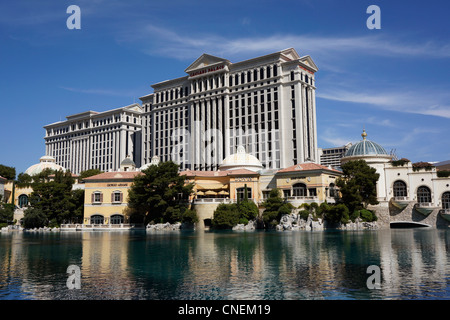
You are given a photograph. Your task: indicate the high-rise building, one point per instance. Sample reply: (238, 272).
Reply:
(266, 104)
(332, 156)
(96, 140)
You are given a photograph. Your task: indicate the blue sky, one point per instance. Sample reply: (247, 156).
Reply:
(394, 82)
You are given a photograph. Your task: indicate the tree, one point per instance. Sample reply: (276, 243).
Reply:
(159, 194)
(7, 172)
(275, 207)
(226, 216)
(358, 185)
(53, 197)
(34, 218)
(338, 213)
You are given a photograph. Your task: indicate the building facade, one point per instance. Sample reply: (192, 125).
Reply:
(332, 156)
(266, 104)
(96, 140)
(406, 192)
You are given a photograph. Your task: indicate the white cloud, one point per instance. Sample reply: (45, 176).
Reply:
(426, 102)
(187, 46)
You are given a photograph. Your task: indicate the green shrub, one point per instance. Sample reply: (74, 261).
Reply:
(338, 213)
(243, 221)
(189, 216)
(304, 214)
(443, 173)
(368, 216)
(226, 216)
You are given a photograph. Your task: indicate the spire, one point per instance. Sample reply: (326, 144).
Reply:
(364, 134)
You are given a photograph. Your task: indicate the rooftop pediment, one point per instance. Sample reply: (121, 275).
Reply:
(205, 60)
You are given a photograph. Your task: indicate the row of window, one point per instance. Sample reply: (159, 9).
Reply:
(423, 194)
(97, 197)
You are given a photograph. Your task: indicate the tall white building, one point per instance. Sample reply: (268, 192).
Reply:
(96, 140)
(266, 104)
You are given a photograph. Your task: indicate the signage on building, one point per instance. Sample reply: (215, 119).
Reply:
(208, 70)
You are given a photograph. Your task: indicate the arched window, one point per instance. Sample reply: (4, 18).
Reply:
(400, 189)
(116, 219)
(299, 190)
(23, 200)
(97, 219)
(446, 201)
(423, 195)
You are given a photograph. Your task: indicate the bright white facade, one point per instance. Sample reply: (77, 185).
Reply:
(96, 140)
(402, 185)
(266, 104)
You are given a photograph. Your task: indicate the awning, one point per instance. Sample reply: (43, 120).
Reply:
(210, 193)
(224, 192)
(200, 193)
(212, 186)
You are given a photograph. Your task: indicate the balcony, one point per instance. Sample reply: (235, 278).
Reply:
(400, 202)
(445, 213)
(424, 208)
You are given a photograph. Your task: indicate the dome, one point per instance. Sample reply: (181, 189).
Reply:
(127, 164)
(45, 162)
(365, 147)
(241, 159)
(155, 161)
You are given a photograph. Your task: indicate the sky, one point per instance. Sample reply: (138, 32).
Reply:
(394, 81)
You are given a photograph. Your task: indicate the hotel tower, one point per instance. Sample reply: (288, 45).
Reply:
(265, 104)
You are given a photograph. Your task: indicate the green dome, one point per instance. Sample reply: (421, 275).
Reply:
(365, 147)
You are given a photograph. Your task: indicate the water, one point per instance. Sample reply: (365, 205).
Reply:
(124, 265)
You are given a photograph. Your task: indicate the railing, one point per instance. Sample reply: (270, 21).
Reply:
(301, 198)
(425, 204)
(216, 200)
(102, 226)
(400, 198)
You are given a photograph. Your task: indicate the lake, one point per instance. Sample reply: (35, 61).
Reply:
(219, 265)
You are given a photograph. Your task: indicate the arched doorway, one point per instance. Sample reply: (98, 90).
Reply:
(23, 201)
(116, 219)
(445, 200)
(423, 195)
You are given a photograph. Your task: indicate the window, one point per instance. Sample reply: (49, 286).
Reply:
(446, 201)
(286, 193)
(423, 195)
(400, 189)
(97, 219)
(240, 193)
(299, 190)
(333, 190)
(97, 197)
(23, 200)
(117, 196)
(116, 219)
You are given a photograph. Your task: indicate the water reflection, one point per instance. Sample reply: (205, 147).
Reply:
(226, 265)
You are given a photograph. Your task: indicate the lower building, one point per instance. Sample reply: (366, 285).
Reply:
(105, 198)
(407, 192)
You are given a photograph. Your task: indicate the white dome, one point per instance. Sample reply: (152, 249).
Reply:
(241, 160)
(155, 161)
(44, 163)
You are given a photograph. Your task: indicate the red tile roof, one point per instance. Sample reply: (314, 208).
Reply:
(1, 178)
(307, 167)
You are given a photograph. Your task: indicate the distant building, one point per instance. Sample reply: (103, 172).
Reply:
(332, 156)
(96, 140)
